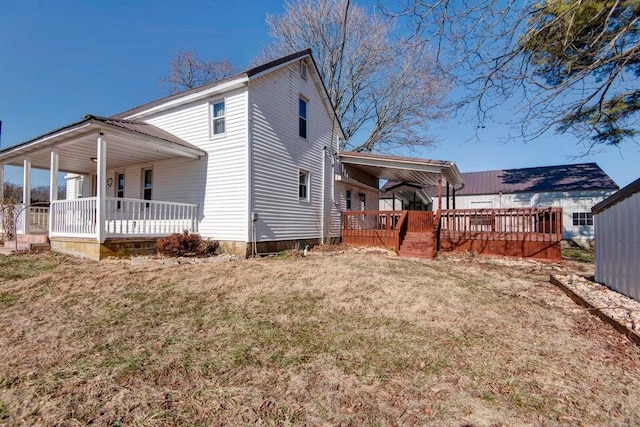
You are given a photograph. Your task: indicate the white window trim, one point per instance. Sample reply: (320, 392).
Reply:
(211, 118)
(306, 118)
(307, 183)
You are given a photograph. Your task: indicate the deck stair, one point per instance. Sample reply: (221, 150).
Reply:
(418, 244)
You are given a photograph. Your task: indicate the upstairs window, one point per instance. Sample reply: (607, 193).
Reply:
(218, 115)
(582, 218)
(303, 70)
(302, 118)
(303, 185)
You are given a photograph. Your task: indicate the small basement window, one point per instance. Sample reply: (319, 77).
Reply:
(582, 218)
(303, 185)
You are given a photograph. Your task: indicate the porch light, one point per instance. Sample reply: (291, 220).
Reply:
(93, 159)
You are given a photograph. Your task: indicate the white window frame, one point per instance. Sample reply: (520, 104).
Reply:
(212, 118)
(304, 68)
(305, 118)
(582, 218)
(307, 185)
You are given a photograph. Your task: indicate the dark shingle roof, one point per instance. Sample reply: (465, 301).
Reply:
(583, 176)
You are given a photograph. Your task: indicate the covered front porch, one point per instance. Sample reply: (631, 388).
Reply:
(96, 152)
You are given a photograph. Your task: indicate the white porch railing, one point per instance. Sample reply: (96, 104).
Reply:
(135, 217)
(74, 218)
(123, 218)
(38, 218)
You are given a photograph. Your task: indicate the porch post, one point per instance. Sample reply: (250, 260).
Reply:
(101, 188)
(447, 194)
(454, 197)
(2, 182)
(26, 193)
(440, 192)
(53, 186)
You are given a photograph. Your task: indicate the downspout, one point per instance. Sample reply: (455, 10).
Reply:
(324, 205)
(250, 213)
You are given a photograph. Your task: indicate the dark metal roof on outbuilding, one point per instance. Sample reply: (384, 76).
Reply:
(583, 176)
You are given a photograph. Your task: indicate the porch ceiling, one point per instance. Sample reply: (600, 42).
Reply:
(77, 144)
(406, 169)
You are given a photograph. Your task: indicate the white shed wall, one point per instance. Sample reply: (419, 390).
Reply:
(618, 246)
(278, 153)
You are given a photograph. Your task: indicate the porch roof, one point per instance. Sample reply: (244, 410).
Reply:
(406, 169)
(128, 142)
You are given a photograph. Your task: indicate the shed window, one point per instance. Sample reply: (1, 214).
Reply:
(218, 115)
(302, 118)
(303, 185)
(582, 218)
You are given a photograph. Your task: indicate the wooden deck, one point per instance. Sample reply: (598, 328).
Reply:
(531, 233)
(523, 233)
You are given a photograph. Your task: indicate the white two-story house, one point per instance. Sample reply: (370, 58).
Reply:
(251, 161)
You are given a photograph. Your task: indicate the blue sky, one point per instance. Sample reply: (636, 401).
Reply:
(62, 60)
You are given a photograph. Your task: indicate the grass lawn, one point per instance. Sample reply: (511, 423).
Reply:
(353, 338)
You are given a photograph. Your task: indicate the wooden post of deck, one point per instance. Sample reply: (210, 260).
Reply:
(440, 192)
(447, 194)
(454, 197)
(101, 189)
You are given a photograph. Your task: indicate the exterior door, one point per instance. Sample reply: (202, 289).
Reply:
(119, 188)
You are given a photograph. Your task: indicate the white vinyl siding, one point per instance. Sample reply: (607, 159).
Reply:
(278, 153)
(218, 182)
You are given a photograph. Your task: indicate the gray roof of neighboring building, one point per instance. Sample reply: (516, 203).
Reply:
(582, 176)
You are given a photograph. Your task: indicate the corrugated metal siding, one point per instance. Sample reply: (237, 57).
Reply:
(278, 153)
(618, 246)
(218, 182)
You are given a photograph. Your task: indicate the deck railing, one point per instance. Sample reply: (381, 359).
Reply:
(522, 224)
(373, 228)
(123, 218)
(528, 232)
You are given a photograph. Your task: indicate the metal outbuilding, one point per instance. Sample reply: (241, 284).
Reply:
(617, 230)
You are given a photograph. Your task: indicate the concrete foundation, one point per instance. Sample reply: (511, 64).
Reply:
(90, 248)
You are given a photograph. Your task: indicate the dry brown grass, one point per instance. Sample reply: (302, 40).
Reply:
(336, 339)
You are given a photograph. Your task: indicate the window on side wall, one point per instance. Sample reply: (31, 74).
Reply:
(303, 185)
(302, 117)
(303, 70)
(347, 199)
(218, 118)
(582, 218)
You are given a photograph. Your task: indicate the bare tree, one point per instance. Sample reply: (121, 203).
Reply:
(568, 65)
(187, 71)
(384, 88)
